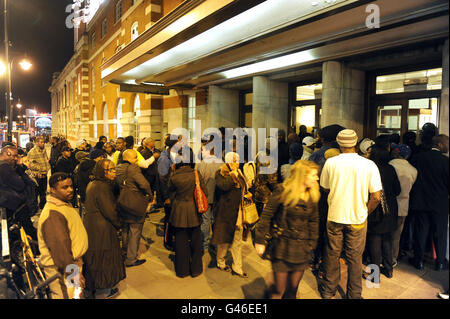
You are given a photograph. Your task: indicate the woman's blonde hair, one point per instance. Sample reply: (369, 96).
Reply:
(294, 186)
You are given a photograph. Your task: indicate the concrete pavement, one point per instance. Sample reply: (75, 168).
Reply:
(156, 278)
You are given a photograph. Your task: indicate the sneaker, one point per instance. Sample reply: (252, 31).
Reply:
(112, 293)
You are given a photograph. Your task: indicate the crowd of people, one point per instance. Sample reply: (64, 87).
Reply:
(332, 196)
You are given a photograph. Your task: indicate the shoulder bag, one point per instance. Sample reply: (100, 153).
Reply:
(201, 201)
(131, 201)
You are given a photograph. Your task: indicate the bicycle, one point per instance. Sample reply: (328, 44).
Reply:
(24, 273)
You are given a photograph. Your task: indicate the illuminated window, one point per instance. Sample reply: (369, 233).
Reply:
(191, 115)
(423, 80)
(118, 118)
(137, 114)
(94, 120)
(309, 92)
(105, 120)
(134, 31)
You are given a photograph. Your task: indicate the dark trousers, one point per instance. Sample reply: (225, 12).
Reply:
(320, 250)
(42, 191)
(380, 248)
(351, 239)
(407, 237)
(436, 222)
(188, 251)
(168, 229)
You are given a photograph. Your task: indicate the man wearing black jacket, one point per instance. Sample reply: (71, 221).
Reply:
(151, 172)
(430, 202)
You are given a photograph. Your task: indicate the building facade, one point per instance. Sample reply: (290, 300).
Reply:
(146, 67)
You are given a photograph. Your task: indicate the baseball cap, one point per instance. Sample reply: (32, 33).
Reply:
(308, 141)
(402, 149)
(365, 144)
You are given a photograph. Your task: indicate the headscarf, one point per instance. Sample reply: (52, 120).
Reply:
(99, 170)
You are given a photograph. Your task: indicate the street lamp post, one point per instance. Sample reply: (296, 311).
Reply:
(8, 73)
(25, 65)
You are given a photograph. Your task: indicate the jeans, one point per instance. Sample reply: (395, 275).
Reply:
(351, 239)
(207, 222)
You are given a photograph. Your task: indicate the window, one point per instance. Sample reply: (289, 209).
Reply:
(104, 29)
(94, 120)
(191, 115)
(134, 31)
(423, 80)
(93, 41)
(93, 79)
(119, 117)
(79, 83)
(105, 120)
(118, 10)
(137, 114)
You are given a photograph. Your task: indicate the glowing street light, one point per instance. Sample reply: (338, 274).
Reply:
(2, 68)
(25, 64)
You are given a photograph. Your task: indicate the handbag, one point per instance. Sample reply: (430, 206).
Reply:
(131, 201)
(249, 211)
(276, 230)
(201, 201)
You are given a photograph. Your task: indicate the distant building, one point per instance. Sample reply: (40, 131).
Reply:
(145, 67)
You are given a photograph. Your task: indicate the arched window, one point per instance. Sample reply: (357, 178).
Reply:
(105, 120)
(134, 31)
(94, 119)
(118, 117)
(137, 114)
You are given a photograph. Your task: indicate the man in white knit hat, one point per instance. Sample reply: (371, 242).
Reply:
(349, 178)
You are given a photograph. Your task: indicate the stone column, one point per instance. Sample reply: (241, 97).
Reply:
(443, 109)
(270, 104)
(223, 108)
(343, 97)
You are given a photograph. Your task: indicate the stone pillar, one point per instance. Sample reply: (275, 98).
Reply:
(343, 97)
(223, 108)
(128, 125)
(270, 104)
(443, 109)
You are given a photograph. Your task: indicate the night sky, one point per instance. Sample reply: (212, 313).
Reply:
(37, 29)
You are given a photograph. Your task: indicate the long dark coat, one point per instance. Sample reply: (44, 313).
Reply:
(104, 266)
(300, 236)
(226, 209)
(377, 222)
(184, 212)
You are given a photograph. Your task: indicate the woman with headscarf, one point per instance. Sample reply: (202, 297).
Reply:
(293, 206)
(229, 228)
(104, 266)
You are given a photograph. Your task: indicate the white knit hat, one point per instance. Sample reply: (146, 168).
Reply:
(347, 138)
(232, 157)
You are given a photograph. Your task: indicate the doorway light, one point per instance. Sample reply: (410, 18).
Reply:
(271, 64)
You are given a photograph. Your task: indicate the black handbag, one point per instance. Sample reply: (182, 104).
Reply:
(276, 230)
(131, 201)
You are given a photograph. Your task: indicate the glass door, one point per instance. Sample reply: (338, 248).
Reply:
(389, 119)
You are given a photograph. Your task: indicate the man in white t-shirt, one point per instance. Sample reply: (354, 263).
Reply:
(349, 179)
